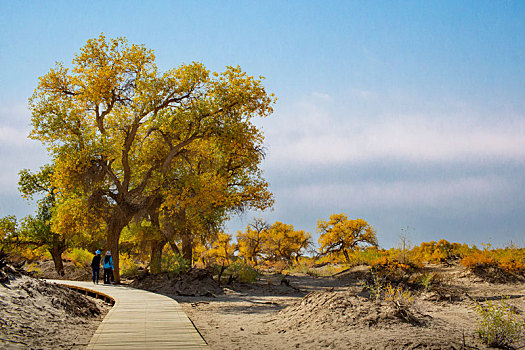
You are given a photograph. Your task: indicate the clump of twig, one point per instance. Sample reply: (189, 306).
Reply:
(500, 324)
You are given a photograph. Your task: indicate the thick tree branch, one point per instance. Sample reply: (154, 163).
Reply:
(128, 142)
(112, 176)
(174, 151)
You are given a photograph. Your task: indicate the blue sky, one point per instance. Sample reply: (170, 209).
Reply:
(408, 113)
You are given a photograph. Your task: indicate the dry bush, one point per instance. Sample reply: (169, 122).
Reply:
(401, 300)
(394, 271)
(500, 325)
(403, 303)
(497, 265)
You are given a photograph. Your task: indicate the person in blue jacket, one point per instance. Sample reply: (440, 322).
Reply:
(108, 268)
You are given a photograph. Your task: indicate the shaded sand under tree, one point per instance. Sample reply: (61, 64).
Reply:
(35, 314)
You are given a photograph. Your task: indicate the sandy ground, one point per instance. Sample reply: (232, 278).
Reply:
(35, 314)
(299, 312)
(337, 313)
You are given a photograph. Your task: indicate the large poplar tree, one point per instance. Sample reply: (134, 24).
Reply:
(118, 128)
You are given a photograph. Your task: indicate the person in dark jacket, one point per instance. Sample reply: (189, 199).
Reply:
(95, 266)
(108, 268)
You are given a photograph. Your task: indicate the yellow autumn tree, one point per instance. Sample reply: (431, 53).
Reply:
(222, 250)
(283, 243)
(250, 242)
(215, 179)
(340, 234)
(118, 128)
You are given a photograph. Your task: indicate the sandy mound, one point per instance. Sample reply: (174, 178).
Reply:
(494, 274)
(195, 282)
(46, 269)
(39, 315)
(344, 319)
(343, 309)
(337, 313)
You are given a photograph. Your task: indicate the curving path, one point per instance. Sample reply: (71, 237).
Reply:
(140, 320)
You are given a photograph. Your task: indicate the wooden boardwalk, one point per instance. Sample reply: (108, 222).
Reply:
(141, 320)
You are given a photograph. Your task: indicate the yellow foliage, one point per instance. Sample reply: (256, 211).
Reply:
(339, 234)
(128, 265)
(80, 257)
(122, 133)
(509, 259)
(283, 242)
(222, 250)
(250, 242)
(436, 252)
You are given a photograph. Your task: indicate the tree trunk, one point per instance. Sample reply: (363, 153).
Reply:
(187, 249)
(116, 223)
(347, 257)
(157, 244)
(174, 247)
(57, 248)
(155, 264)
(168, 231)
(221, 271)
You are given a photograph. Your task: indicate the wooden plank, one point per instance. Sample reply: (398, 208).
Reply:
(140, 320)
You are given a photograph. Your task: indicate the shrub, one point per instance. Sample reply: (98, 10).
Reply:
(175, 263)
(302, 266)
(428, 280)
(500, 325)
(33, 268)
(276, 266)
(366, 256)
(80, 257)
(242, 272)
(128, 267)
(375, 287)
(478, 258)
(308, 267)
(401, 300)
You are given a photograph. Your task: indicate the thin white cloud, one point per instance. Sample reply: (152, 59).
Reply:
(362, 93)
(312, 136)
(465, 193)
(14, 114)
(15, 137)
(322, 96)
(17, 151)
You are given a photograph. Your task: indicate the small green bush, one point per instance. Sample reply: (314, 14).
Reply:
(375, 287)
(500, 325)
(175, 263)
(402, 301)
(429, 280)
(242, 272)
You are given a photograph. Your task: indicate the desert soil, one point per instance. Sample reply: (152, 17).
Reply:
(35, 314)
(337, 313)
(299, 312)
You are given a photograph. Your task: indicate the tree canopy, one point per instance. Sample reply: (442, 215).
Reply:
(122, 134)
(283, 242)
(340, 234)
(250, 242)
